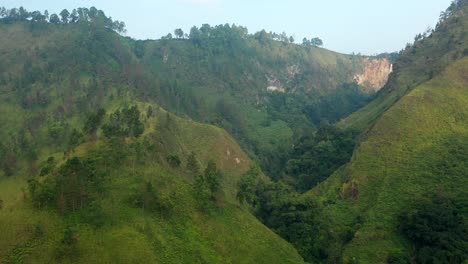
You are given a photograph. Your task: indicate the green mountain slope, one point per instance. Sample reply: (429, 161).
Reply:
(418, 63)
(112, 228)
(91, 173)
(415, 149)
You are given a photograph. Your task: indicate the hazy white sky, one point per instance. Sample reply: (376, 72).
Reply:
(366, 26)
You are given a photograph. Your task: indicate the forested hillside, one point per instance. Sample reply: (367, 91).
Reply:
(92, 173)
(214, 145)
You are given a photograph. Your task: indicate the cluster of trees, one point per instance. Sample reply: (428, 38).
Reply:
(264, 37)
(346, 99)
(317, 156)
(152, 200)
(124, 123)
(219, 33)
(79, 15)
(94, 121)
(289, 214)
(207, 31)
(16, 148)
(314, 42)
(438, 228)
(454, 6)
(74, 186)
(207, 185)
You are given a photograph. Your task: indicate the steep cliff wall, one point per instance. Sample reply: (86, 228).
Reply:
(375, 73)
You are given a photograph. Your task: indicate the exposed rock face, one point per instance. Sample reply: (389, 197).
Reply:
(274, 85)
(375, 73)
(275, 89)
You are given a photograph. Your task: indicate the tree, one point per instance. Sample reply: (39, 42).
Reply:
(207, 185)
(145, 197)
(291, 39)
(3, 12)
(305, 42)
(36, 16)
(149, 112)
(262, 37)
(74, 140)
(248, 186)
(65, 14)
(168, 36)
(118, 26)
(93, 13)
(213, 178)
(284, 37)
(195, 35)
(173, 160)
(83, 14)
(192, 164)
(179, 33)
(23, 14)
(124, 123)
(93, 122)
(74, 16)
(316, 42)
(54, 19)
(205, 30)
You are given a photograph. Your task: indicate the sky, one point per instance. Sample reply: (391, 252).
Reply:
(361, 26)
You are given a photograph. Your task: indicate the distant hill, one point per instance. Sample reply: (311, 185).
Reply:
(265, 92)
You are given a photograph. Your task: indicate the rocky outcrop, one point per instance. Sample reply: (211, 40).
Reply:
(375, 73)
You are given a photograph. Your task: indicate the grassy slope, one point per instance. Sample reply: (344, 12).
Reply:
(417, 148)
(417, 64)
(225, 235)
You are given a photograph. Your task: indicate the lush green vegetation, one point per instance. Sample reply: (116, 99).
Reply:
(438, 228)
(125, 122)
(318, 155)
(431, 52)
(416, 149)
(80, 15)
(121, 196)
(92, 168)
(91, 172)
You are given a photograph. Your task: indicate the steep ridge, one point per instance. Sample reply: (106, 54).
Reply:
(418, 63)
(375, 74)
(415, 149)
(115, 228)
